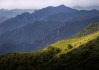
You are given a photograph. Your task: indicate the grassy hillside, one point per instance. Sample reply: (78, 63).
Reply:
(87, 34)
(80, 52)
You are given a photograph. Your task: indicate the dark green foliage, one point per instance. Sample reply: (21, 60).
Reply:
(86, 57)
(70, 46)
(20, 61)
(82, 58)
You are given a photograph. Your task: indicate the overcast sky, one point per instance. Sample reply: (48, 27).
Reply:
(35, 4)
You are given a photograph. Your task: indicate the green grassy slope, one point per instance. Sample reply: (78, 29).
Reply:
(89, 33)
(80, 52)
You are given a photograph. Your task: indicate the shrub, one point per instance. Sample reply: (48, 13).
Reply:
(70, 46)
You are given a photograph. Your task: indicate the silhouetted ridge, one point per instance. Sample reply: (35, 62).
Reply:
(43, 27)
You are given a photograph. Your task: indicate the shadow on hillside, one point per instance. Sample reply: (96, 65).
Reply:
(86, 57)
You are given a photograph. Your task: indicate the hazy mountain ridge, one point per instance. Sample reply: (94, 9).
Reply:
(36, 27)
(2, 19)
(14, 12)
(21, 20)
(83, 14)
(6, 14)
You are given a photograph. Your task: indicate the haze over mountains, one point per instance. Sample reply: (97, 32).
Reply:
(6, 14)
(32, 31)
(86, 8)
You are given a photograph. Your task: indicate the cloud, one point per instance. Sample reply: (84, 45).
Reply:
(10, 4)
(85, 3)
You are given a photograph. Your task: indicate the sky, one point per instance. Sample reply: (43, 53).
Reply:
(37, 4)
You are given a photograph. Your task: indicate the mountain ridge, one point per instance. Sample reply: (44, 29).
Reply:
(38, 15)
(32, 30)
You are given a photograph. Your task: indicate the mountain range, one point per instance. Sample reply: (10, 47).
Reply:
(32, 31)
(7, 14)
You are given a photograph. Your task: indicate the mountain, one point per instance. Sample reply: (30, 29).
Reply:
(76, 53)
(28, 32)
(6, 14)
(74, 16)
(12, 13)
(45, 12)
(2, 19)
(15, 22)
(27, 21)
(26, 36)
(27, 18)
(68, 30)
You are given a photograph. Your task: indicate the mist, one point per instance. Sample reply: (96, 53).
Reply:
(37, 4)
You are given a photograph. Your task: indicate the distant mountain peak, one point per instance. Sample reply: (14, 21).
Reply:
(62, 5)
(94, 10)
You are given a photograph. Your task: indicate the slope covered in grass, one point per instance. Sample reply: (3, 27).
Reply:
(75, 42)
(76, 53)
